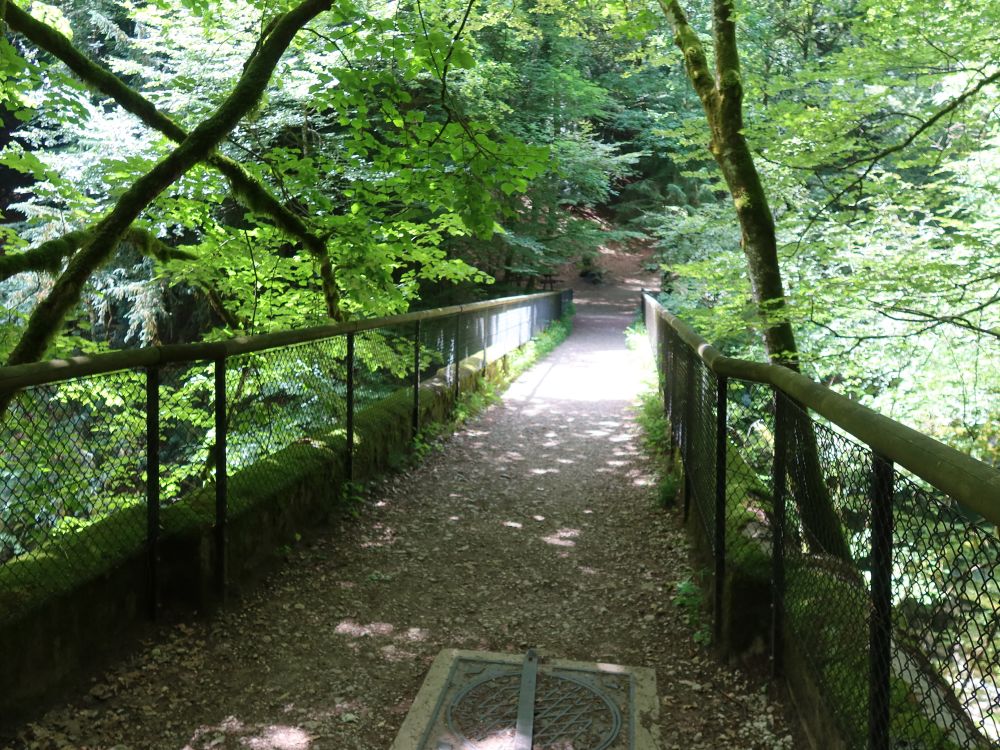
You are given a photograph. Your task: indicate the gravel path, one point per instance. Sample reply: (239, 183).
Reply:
(535, 525)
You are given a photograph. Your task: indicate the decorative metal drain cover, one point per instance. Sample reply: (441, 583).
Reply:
(486, 701)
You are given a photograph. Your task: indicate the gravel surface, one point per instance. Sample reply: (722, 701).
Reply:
(534, 526)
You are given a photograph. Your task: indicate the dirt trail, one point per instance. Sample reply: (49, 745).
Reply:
(534, 526)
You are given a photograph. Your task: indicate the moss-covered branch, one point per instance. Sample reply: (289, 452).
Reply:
(50, 255)
(251, 192)
(47, 318)
(695, 60)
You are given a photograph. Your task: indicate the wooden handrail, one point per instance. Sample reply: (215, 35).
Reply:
(55, 370)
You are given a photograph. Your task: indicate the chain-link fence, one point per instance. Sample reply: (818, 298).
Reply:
(880, 588)
(77, 451)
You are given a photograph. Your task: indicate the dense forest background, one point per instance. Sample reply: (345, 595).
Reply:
(420, 153)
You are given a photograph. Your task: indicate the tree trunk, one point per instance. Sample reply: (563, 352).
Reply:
(721, 96)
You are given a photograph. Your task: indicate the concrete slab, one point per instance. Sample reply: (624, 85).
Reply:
(468, 701)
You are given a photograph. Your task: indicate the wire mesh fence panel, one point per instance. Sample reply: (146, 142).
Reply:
(72, 485)
(187, 429)
(946, 622)
(467, 332)
(702, 454)
(384, 363)
(514, 327)
(749, 463)
(436, 342)
(827, 598)
(277, 398)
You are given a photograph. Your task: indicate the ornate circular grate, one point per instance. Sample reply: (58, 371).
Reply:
(568, 714)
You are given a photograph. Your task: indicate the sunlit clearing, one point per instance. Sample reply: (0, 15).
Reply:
(350, 627)
(280, 738)
(512, 524)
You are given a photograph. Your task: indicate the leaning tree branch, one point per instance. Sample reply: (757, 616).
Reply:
(250, 191)
(960, 319)
(48, 256)
(48, 316)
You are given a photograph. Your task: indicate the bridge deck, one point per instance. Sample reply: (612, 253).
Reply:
(534, 527)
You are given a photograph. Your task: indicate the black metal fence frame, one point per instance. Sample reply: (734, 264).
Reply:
(695, 382)
(490, 339)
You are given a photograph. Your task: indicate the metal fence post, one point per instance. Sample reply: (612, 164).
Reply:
(221, 477)
(416, 380)
(685, 429)
(350, 408)
(880, 631)
(721, 437)
(778, 472)
(458, 334)
(153, 487)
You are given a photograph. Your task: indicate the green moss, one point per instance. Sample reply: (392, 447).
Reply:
(71, 558)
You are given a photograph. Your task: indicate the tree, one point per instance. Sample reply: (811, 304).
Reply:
(721, 96)
(357, 154)
(102, 239)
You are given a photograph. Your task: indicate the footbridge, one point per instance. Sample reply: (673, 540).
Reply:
(852, 562)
